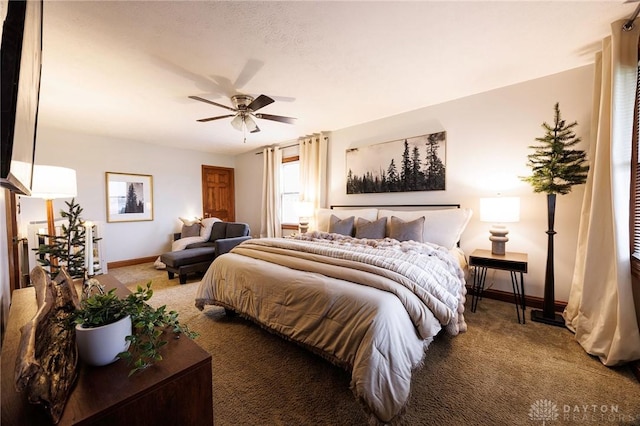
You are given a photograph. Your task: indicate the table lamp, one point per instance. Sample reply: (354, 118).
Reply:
(499, 210)
(305, 212)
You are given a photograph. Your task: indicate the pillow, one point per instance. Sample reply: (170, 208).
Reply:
(207, 224)
(189, 222)
(190, 227)
(371, 229)
(190, 230)
(406, 231)
(341, 226)
(323, 216)
(443, 227)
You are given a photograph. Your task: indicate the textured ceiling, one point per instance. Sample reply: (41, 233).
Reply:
(125, 69)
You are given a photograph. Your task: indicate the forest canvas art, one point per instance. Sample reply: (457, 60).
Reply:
(411, 164)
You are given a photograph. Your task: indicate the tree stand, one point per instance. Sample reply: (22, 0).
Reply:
(548, 314)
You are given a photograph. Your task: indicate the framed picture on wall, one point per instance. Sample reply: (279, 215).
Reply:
(129, 197)
(403, 165)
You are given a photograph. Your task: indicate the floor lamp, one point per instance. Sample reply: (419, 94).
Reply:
(49, 183)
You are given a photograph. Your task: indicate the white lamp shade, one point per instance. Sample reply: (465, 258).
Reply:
(500, 209)
(304, 209)
(51, 182)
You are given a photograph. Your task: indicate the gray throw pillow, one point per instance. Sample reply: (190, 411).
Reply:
(190, 230)
(405, 231)
(373, 230)
(341, 226)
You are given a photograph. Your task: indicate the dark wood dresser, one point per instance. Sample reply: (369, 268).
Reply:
(175, 391)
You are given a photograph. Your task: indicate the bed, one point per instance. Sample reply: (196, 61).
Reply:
(369, 305)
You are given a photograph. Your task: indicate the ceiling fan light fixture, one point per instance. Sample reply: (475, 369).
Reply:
(237, 122)
(252, 127)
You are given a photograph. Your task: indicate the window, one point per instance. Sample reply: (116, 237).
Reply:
(290, 191)
(635, 190)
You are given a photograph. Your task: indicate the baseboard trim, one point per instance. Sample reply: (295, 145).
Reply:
(506, 296)
(130, 262)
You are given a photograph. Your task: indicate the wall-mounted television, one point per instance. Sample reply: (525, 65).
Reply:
(21, 58)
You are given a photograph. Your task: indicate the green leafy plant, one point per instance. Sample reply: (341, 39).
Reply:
(149, 324)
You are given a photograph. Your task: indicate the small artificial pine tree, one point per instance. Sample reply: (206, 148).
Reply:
(556, 168)
(68, 248)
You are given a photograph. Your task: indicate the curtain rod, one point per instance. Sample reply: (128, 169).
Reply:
(628, 26)
(281, 147)
(288, 146)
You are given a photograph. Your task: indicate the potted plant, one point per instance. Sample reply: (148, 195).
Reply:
(556, 167)
(109, 327)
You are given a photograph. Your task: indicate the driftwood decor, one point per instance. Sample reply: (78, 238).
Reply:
(46, 366)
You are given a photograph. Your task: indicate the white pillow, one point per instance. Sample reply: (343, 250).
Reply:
(323, 216)
(442, 227)
(207, 224)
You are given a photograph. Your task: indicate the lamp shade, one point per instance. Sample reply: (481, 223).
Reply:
(51, 182)
(304, 209)
(500, 209)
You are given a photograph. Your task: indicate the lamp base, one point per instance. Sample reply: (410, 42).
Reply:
(303, 227)
(498, 239)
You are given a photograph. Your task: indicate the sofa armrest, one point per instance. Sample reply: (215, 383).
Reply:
(224, 245)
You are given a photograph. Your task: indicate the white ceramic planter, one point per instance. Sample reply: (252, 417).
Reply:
(101, 345)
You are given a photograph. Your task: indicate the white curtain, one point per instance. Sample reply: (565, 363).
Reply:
(270, 222)
(313, 170)
(600, 309)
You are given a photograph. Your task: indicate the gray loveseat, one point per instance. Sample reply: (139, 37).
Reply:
(197, 257)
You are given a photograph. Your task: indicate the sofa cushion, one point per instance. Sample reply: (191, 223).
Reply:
(175, 259)
(235, 229)
(218, 230)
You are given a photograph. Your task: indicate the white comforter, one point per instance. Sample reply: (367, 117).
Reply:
(324, 291)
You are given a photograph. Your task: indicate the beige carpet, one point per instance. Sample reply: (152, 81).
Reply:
(497, 373)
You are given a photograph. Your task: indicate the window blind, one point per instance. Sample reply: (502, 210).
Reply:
(635, 184)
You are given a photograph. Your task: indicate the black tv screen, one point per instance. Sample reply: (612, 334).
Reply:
(21, 57)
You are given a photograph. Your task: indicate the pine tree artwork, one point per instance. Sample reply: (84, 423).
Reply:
(555, 165)
(68, 247)
(412, 164)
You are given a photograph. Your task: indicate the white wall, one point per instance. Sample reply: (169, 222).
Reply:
(488, 135)
(176, 187)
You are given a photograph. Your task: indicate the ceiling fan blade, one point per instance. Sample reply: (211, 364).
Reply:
(280, 118)
(198, 98)
(203, 120)
(260, 102)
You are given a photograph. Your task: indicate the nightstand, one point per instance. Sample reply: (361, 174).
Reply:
(515, 263)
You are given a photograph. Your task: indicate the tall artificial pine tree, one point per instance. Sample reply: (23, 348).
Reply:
(556, 169)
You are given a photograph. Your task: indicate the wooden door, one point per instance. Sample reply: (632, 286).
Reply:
(218, 193)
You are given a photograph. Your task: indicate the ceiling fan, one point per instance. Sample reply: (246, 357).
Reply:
(244, 108)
